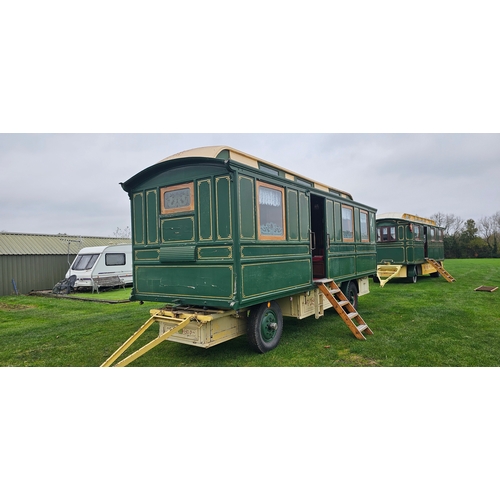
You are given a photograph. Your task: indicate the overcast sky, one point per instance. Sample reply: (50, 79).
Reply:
(69, 183)
(260, 73)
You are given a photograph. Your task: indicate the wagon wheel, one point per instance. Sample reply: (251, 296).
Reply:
(265, 325)
(352, 294)
(412, 275)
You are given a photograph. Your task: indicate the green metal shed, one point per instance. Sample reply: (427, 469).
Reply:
(39, 261)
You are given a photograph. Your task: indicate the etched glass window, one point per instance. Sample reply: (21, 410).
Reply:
(271, 212)
(347, 224)
(177, 199)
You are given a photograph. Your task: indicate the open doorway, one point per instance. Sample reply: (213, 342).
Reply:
(318, 239)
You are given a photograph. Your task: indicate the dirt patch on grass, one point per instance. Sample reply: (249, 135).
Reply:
(354, 359)
(14, 307)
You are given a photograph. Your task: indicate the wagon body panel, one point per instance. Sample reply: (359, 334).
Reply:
(232, 231)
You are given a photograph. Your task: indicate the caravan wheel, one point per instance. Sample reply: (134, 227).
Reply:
(265, 325)
(412, 274)
(352, 294)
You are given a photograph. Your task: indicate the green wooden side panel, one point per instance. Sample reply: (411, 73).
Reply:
(205, 231)
(186, 253)
(293, 214)
(410, 254)
(177, 229)
(223, 197)
(366, 263)
(391, 253)
(329, 220)
(196, 281)
(221, 252)
(152, 216)
(266, 251)
(147, 254)
(247, 208)
(436, 251)
(304, 216)
(267, 277)
(338, 221)
(341, 266)
(138, 218)
(419, 252)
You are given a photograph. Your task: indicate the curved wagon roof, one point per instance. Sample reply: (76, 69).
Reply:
(229, 153)
(404, 216)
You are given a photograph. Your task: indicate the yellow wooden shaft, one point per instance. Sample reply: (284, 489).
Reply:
(153, 343)
(129, 342)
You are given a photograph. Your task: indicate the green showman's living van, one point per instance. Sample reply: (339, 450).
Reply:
(233, 240)
(408, 246)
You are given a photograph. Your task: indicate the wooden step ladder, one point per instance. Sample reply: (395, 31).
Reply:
(343, 307)
(440, 269)
(385, 272)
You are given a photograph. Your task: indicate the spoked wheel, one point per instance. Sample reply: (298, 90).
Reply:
(412, 275)
(265, 325)
(352, 294)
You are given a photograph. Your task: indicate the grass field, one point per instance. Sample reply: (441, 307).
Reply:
(432, 323)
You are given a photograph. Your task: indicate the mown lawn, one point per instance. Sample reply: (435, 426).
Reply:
(432, 323)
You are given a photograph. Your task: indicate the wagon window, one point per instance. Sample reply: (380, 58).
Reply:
(85, 261)
(177, 198)
(417, 232)
(271, 212)
(363, 220)
(115, 259)
(432, 234)
(347, 224)
(386, 233)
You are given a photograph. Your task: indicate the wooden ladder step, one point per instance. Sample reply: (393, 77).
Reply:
(338, 300)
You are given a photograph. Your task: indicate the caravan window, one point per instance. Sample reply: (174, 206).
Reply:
(271, 212)
(115, 259)
(85, 261)
(386, 233)
(347, 223)
(178, 198)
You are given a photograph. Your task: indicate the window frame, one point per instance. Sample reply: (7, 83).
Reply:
(367, 239)
(115, 253)
(351, 210)
(177, 187)
(270, 237)
(389, 239)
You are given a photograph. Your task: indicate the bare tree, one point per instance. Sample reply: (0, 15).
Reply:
(489, 229)
(452, 224)
(122, 233)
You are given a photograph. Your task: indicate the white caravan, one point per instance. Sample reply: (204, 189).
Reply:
(101, 262)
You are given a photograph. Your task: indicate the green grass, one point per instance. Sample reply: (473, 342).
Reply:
(430, 323)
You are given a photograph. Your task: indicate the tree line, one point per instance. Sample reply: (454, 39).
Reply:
(465, 239)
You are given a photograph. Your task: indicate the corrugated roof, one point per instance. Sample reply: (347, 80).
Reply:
(51, 244)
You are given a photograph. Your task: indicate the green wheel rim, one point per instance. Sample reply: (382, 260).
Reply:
(268, 325)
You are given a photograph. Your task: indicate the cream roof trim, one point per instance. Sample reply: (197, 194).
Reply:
(252, 161)
(401, 215)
